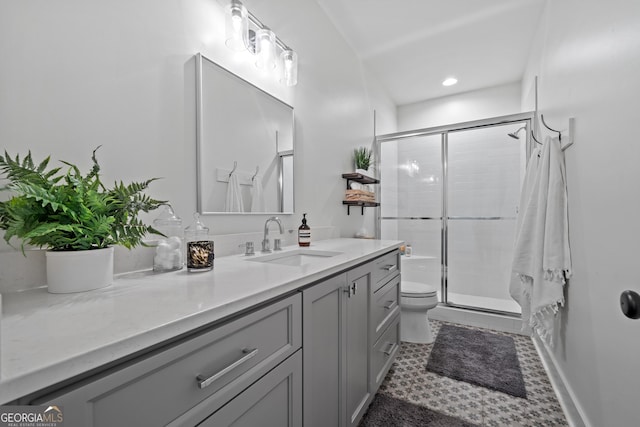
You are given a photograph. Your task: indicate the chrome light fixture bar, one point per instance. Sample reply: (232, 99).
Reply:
(260, 41)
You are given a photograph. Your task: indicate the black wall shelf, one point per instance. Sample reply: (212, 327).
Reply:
(362, 179)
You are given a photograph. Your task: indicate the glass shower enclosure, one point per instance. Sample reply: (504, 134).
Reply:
(452, 193)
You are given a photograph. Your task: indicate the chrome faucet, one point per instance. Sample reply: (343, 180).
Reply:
(266, 247)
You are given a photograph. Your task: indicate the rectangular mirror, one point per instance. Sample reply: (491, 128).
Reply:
(244, 145)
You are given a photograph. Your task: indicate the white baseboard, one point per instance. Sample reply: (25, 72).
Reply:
(572, 410)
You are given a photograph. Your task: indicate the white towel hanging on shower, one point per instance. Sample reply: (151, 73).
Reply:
(233, 202)
(542, 258)
(257, 195)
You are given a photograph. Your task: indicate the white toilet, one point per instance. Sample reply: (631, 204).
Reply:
(416, 299)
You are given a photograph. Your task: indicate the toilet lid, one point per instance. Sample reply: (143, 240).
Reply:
(415, 289)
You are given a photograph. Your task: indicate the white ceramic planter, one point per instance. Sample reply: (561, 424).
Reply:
(364, 172)
(79, 271)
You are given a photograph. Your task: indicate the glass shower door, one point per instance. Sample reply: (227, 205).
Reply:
(484, 171)
(411, 188)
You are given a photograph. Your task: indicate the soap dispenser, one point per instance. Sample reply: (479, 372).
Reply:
(304, 232)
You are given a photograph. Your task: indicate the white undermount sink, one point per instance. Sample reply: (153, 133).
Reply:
(296, 257)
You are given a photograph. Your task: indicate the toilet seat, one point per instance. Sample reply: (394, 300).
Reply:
(416, 290)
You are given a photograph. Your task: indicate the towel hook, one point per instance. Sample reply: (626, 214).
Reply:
(255, 174)
(235, 165)
(552, 130)
(571, 132)
(534, 138)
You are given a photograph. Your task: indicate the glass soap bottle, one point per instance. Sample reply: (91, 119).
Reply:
(199, 246)
(169, 250)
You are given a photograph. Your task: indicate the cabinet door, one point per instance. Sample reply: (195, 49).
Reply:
(274, 400)
(323, 323)
(358, 346)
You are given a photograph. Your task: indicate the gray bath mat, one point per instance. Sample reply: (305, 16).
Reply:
(477, 357)
(387, 411)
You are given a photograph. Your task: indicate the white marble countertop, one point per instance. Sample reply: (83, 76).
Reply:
(48, 338)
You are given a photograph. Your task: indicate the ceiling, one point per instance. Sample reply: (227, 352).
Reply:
(411, 46)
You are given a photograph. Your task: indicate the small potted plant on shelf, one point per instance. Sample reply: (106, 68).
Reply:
(362, 160)
(75, 217)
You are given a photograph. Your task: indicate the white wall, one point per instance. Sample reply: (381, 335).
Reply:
(463, 107)
(120, 74)
(587, 57)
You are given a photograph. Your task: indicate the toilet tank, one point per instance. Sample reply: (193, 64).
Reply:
(420, 269)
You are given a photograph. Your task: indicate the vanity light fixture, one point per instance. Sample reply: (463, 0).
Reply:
(449, 81)
(289, 67)
(265, 49)
(236, 26)
(245, 32)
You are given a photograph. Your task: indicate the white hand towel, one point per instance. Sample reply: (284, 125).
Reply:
(257, 195)
(542, 258)
(233, 202)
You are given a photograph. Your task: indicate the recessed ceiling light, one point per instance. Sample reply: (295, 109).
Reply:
(450, 81)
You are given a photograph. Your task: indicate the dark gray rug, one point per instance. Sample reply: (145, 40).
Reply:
(387, 411)
(477, 357)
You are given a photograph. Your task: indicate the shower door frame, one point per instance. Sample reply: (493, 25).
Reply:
(443, 131)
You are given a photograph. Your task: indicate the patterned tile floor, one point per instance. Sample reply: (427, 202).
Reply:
(409, 380)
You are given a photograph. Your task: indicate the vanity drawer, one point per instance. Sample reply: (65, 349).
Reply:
(206, 371)
(274, 400)
(386, 305)
(384, 353)
(385, 268)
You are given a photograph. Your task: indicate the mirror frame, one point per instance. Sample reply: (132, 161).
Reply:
(281, 154)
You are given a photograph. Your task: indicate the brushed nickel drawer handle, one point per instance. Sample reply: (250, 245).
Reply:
(390, 267)
(391, 349)
(204, 382)
(390, 305)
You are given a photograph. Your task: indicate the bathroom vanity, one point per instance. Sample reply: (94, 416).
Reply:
(264, 340)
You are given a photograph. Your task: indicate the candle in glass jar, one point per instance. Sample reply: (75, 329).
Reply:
(200, 253)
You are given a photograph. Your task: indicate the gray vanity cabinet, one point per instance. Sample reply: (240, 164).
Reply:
(313, 358)
(336, 315)
(243, 369)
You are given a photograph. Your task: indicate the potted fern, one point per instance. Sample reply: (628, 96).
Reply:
(75, 217)
(362, 160)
